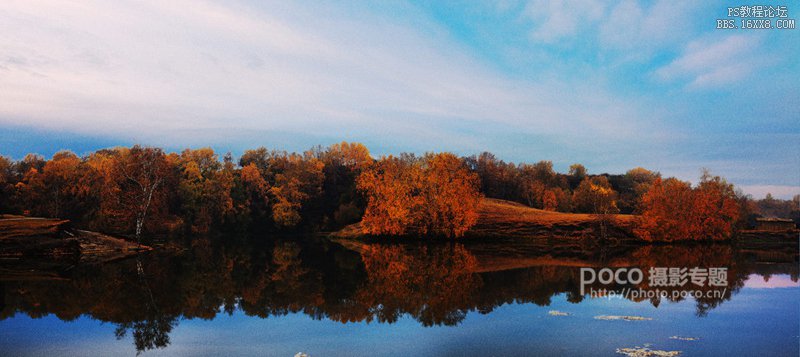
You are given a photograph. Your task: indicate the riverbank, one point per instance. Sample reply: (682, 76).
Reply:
(505, 219)
(41, 247)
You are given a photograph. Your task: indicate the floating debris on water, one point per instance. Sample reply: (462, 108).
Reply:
(558, 313)
(646, 352)
(626, 318)
(684, 338)
(301, 354)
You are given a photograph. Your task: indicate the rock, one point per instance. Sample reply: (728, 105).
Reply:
(23, 236)
(20, 227)
(43, 248)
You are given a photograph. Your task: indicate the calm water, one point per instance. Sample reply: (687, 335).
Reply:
(322, 298)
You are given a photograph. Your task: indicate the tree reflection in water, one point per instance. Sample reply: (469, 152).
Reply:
(436, 284)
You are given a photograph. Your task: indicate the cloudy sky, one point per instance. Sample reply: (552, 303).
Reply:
(612, 85)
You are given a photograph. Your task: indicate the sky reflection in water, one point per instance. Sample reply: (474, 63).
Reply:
(446, 299)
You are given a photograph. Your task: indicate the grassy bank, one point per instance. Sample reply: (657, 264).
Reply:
(499, 218)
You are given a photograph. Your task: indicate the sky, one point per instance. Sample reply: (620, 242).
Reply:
(609, 84)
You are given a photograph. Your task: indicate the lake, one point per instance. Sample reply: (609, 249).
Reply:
(279, 297)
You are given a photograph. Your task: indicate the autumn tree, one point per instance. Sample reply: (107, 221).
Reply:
(578, 171)
(143, 171)
(292, 179)
(673, 210)
(103, 178)
(49, 188)
(25, 196)
(716, 208)
(204, 188)
(595, 195)
(498, 179)
(392, 187)
(632, 186)
(533, 191)
(343, 163)
(539, 184)
(451, 195)
(6, 184)
(59, 182)
(666, 211)
(549, 201)
(436, 194)
(30, 161)
(299, 180)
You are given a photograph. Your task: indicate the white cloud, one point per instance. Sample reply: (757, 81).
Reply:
(556, 20)
(631, 25)
(183, 72)
(154, 69)
(711, 62)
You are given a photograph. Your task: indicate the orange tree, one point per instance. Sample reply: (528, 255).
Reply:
(673, 210)
(436, 194)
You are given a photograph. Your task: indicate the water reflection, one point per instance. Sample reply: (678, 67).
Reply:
(436, 284)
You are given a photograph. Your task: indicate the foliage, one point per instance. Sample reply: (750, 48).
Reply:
(392, 187)
(204, 188)
(673, 210)
(595, 195)
(433, 195)
(141, 189)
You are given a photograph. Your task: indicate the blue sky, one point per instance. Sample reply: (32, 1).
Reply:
(612, 85)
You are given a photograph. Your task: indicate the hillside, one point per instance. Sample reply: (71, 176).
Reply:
(499, 218)
(511, 219)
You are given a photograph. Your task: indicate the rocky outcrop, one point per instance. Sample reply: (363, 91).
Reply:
(32, 237)
(40, 246)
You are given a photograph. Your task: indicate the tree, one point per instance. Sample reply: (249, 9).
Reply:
(254, 180)
(350, 156)
(6, 181)
(392, 188)
(341, 201)
(632, 186)
(143, 171)
(543, 172)
(60, 183)
(204, 188)
(666, 211)
(673, 210)
(550, 201)
(434, 195)
(291, 180)
(451, 195)
(578, 171)
(595, 195)
(716, 208)
(498, 179)
(300, 180)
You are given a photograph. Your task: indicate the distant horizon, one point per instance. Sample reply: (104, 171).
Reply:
(610, 85)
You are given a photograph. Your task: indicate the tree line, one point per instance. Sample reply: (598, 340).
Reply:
(142, 189)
